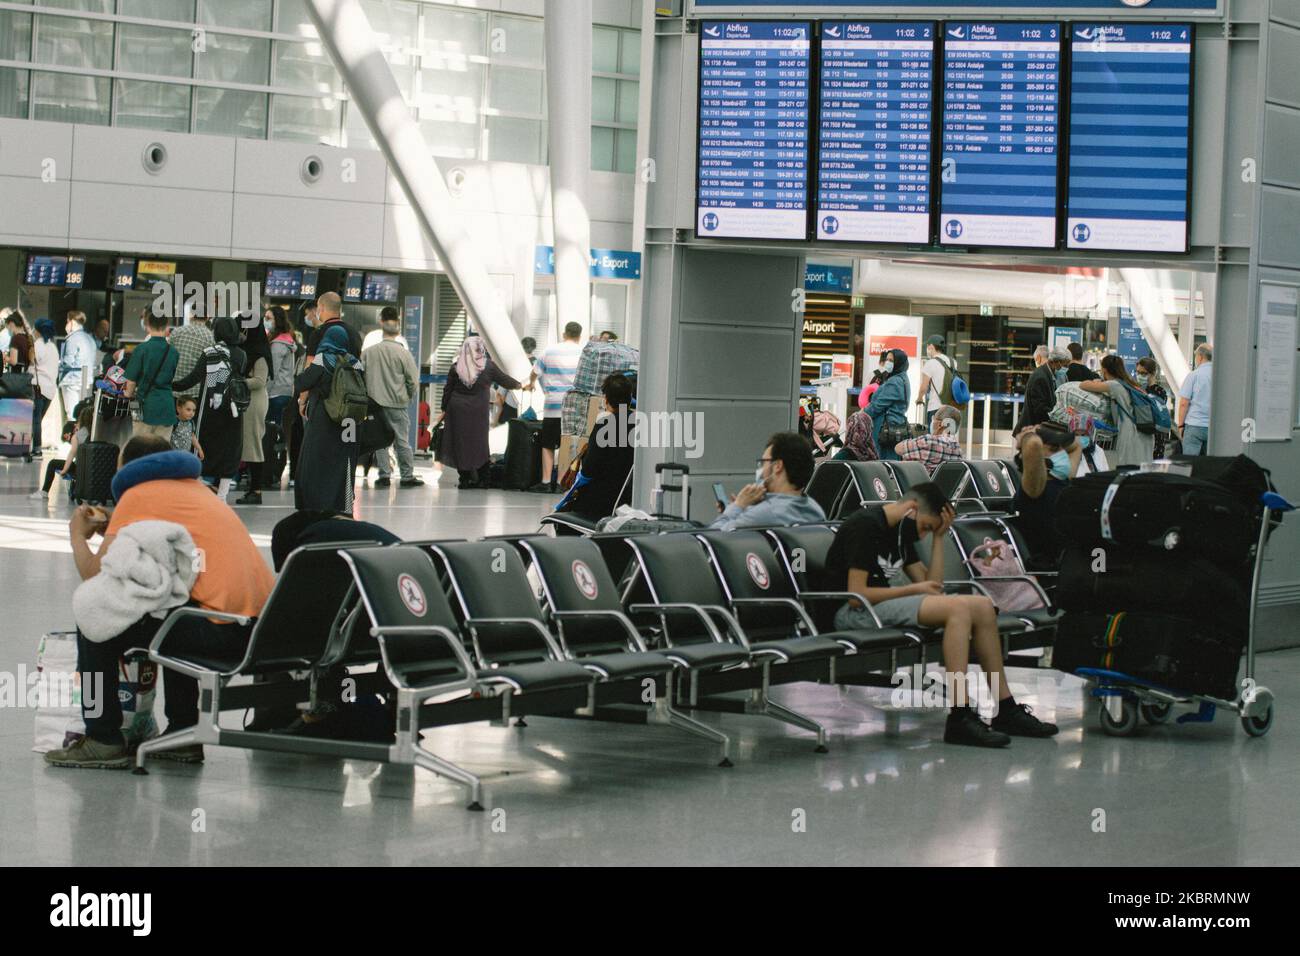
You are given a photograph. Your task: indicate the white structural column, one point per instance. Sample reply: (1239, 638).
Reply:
(346, 33)
(1147, 302)
(568, 107)
(646, 171)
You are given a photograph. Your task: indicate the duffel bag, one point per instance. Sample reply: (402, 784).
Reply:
(1162, 510)
(1237, 473)
(1117, 579)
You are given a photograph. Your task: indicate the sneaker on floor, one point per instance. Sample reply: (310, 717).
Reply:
(965, 727)
(37, 495)
(383, 482)
(191, 754)
(543, 488)
(1019, 721)
(90, 754)
(415, 481)
(252, 498)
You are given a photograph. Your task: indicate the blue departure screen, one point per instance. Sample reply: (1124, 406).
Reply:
(75, 277)
(1130, 106)
(310, 278)
(754, 106)
(283, 283)
(873, 170)
(1001, 102)
(379, 287)
(124, 274)
(352, 285)
(45, 270)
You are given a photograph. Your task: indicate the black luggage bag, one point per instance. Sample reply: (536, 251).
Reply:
(1183, 654)
(523, 461)
(96, 465)
(1237, 473)
(1161, 510)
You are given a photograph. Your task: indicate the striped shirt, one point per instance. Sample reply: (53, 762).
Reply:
(930, 450)
(555, 371)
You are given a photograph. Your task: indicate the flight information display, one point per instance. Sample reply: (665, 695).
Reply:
(75, 277)
(754, 117)
(379, 287)
(283, 283)
(310, 279)
(873, 132)
(1130, 125)
(124, 274)
(1001, 106)
(352, 283)
(45, 270)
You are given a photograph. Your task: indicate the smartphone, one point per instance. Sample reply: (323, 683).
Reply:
(720, 493)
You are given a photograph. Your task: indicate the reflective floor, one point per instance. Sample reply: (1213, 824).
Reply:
(568, 792)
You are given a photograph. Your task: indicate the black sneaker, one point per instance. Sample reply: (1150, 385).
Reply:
(252, 498)
(965, 727)
(383, 482)
(1019, 721)
(415, 481)
(543, 488)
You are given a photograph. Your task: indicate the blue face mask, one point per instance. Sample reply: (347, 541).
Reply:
(1058, 465)
(888, 367)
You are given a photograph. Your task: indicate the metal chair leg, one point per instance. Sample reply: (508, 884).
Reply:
(760, 703)
(180, 738)
(444, 768)
(664, 713)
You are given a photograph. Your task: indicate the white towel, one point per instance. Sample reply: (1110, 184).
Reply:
(149, 569)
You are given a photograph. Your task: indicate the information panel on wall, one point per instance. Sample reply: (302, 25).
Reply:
(873, 129)
(1001, 104)
(1130, 125)
(755, 80)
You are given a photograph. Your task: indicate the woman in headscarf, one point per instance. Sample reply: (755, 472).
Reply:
(465, 404)
(327, 464)
(258, 349)
(888, 408)
(859, 439)
(220, 431)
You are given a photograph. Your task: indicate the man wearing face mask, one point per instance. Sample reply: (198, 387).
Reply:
(1040, 390)
(1049, 455)
(776, 498)
(936, 378)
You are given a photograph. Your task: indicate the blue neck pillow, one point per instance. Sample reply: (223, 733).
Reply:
(157, 467)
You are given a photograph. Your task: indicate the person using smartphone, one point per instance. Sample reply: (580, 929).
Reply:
(776, 497)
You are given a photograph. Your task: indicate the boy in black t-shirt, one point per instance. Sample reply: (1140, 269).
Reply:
(878, 544)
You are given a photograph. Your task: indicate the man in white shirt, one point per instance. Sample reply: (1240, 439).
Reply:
(555, 369)
(936, 374)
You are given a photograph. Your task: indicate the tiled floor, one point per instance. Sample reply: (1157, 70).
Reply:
(563, 792)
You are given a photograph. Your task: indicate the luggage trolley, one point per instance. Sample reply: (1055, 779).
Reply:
(1125, 699)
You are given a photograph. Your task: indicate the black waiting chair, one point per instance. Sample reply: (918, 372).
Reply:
(954, 480)
(829, 479)
(872, 483)
(993, 484)
(566, 523)
(908, 474)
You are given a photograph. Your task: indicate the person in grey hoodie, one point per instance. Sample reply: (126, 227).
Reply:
(776, 498)
(392, 380)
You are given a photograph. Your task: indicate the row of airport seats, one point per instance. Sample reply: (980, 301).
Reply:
(842, 487)
(644, 628)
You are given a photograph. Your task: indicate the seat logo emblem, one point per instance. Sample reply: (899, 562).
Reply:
(757, 570)
(585, 580)
(880, 488)
(993, 481)
(412, 595)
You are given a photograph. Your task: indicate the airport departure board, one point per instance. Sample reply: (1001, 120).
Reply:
(1001, 104)
(753, 163)
(1130, 126)
(283, 283)
(380, 287)
(352, 284)
(874, 135)
(45, 270)
(310, 279)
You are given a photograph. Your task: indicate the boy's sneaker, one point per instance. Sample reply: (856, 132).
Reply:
(415, 481)
(1019, 721)
(965, 727)
(90, 754)
(190, 754)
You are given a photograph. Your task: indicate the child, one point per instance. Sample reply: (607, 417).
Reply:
(67, 466)
(183, 436)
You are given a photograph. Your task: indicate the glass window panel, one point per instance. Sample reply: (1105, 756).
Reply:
(394, 22)
(147, 105)
(244, 14)
(230, 113)
(604, 50)
(69, 98)
(153, 50)
(511, 140)
(631, 62)
(13, 93)
(602, 148)
(515, 90)
(15, 36)
(516, 40)
(91, 6)
(451, 139)
(307, 119)
(180, 10)
(628, 96)
(452, 34)
(305, 67)
(65, 41)
(234, 59)
(354, 125)
(452, 94)
(293, 19)
(604, 94)
(625, 150)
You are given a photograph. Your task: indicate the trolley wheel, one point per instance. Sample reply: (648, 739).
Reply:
(1156, 712)
(1127, 721)
(1257, 725)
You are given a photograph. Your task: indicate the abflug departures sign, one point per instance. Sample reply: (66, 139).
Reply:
(753, 141)
(1130, 126)
(874, 132)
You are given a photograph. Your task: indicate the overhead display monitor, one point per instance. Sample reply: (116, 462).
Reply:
(873, 132)
(352, 285)
(379, 287)
(1130, 136)
(282, 283)
(45, 270)
(75, 277)
(310, 280)
(124, 274)
(752, 174)
(1001, 108)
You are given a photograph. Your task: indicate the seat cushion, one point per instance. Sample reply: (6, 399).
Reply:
(1040, 617)
(874, 639)
(628, 665)
(798, 648)
(542, 675)
(1011, 621)
(705, 655)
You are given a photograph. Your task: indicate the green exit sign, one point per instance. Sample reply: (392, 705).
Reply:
(859, 302)
(986, 308)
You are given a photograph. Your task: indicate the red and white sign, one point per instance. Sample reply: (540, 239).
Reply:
(879, 485)
(585, 579)
(757, 570)
(412, 595)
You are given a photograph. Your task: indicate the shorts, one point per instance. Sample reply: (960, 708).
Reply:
(551, 433)
(896, 612)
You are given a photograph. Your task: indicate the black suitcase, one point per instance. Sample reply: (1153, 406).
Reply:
(96, 465)
(1238, 474)
(523, 461)
(1160, 510)
(1152, 581)
(1182, 654)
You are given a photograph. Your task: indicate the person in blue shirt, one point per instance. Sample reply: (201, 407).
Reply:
(890, 403)
(1194, 403)
(776, 499)
(80, 351)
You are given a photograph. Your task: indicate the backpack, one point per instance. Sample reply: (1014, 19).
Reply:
(347, 399)
(1149, 415)
(955, 390)
(238, 393)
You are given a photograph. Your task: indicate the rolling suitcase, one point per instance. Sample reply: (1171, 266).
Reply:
(1185, 654)
(96, 465)
(1173, 512)
(523, 461)
(17, 408)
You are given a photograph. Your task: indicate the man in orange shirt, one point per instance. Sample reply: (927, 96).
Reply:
(232, 577)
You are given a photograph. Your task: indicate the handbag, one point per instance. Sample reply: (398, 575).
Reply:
(891, 433)
(994, 558)
(16, 385)
(571, 473)
(435, 439)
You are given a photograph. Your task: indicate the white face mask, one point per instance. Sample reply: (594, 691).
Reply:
(888, 367)
(758, 474)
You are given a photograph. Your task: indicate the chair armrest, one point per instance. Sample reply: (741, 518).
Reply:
(451, 640)
(681, 607)
(185, 667)
(791, 603)
(851, 596)
(557, 652)
(635, 641)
